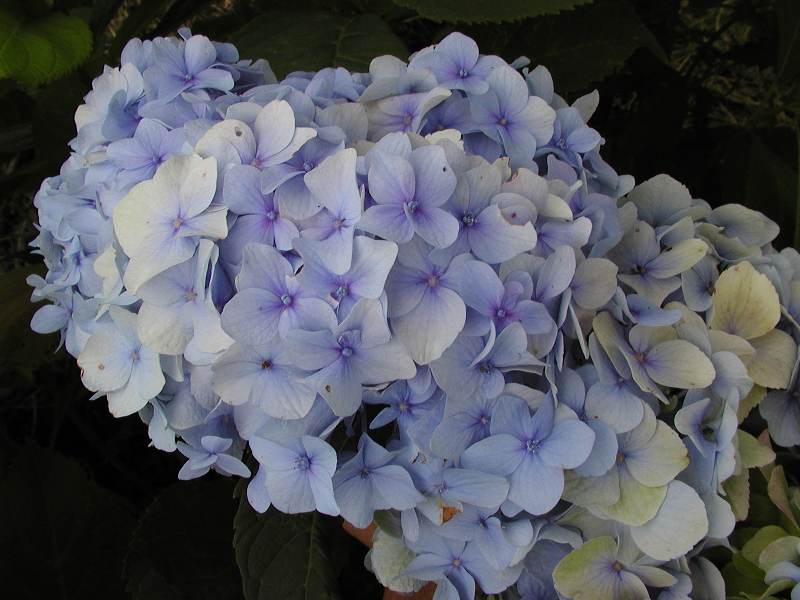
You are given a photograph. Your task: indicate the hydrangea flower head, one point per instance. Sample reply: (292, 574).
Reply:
(534, 371)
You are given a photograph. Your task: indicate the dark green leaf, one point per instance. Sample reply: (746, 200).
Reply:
(284, 557)
(737, 584)
(307, 41)
(62, 536)
(487, 11)
(788, 13)
(181, 548)
(41, 50)
(585, 45)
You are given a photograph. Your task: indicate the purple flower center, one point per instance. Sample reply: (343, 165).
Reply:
(347, 351)
(271, 215)
(532, 446)
(177, 223)
(468, 219)
(302, 463)
(463, 73)
(412, 206)
(266, 364)
(286, 300)
(433, 281)
(500, 313)
(341, 292)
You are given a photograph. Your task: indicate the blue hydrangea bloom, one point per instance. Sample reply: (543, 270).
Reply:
(534, 369)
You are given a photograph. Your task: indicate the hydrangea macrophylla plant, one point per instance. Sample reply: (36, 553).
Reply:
(534, 370)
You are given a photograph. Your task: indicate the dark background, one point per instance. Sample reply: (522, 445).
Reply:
(705, 90)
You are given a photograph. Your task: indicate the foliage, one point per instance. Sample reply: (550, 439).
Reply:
(40, 50)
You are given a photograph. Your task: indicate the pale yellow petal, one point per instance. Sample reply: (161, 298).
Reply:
(745, 302)
(771, 365)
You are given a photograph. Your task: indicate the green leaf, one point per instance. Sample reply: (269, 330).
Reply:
(284, 557)
(585, 45)
(41, 50)
(737, 585)
(313, 40)
(197, 563)
(487, 11)
(62, 535)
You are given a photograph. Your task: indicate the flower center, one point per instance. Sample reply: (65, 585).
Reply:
(286, 299)
(407, 120)
(341, 292)
(500, 313)
(266, 364)
(463, 73)
(708, 433)
(468, 219)
(272, 215)
(177, 223)
(412, 206)
(302, 463)
(433, 281)
(485, 367)
(347, 351)
(617, 566)
(503, 121)
(532, 446)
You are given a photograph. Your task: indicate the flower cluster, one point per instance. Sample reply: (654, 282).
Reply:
(420, 297)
